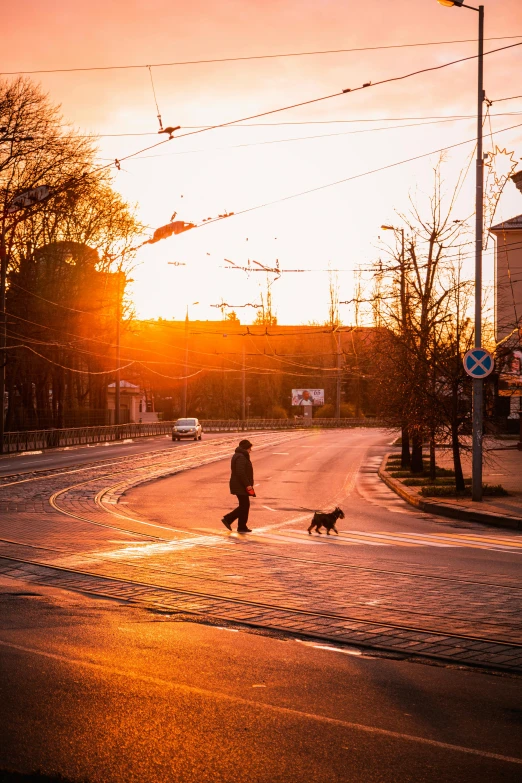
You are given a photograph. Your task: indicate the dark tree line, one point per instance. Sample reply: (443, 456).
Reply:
(61, 258)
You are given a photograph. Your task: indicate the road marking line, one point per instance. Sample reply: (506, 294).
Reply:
(294, 713)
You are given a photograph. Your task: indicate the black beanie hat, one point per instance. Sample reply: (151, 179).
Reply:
(245, 444)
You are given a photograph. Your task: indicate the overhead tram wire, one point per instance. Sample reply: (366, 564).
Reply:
(347, 90)
(355, 120)
(347, 179)
(308, 138)
(252, 57)
(76, 349)
(366, 85)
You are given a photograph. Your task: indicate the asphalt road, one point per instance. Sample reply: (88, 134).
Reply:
(80, 455)
(318, 472)
(106, 693)
(103, 691)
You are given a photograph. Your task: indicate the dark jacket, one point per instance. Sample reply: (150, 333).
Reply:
(242, 472)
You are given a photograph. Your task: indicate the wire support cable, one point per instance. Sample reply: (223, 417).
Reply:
(345, 179)
(346, 90)
(253, 57)
(366, 85)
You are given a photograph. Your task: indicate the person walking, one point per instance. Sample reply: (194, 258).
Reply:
(241, 485)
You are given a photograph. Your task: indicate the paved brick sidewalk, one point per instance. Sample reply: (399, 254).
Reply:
(450, 616)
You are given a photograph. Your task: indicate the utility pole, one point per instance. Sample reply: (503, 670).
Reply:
(338, 385)
(405, 436)
(118, 377)
(3, 327)
(243, 387)
(185, 379)
(478, 383)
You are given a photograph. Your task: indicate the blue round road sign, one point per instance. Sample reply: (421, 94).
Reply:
(478, 363)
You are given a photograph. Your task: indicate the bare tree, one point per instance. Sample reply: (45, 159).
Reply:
(426, 311)
(58, 255)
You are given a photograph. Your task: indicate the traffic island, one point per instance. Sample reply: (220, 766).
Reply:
(432, 496)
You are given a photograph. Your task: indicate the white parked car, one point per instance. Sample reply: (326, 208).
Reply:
(187, 428)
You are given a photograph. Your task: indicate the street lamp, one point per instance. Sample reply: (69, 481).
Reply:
(478, 385)
(405, 436)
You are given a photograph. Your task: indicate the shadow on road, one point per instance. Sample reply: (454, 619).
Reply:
(33, 777)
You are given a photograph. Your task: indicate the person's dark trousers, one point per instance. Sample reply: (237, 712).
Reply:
(241, 512)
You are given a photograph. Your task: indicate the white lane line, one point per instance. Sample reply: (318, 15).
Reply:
(290, 712)
(270, 509)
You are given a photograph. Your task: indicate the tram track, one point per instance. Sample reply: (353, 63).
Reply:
(47, 473)
(193, 460)
(366, 608)
(116, 476)
(103, 586)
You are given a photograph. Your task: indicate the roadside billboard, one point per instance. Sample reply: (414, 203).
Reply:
(304, 397)
(510, 376)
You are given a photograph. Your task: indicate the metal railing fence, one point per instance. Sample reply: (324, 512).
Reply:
(40, 440)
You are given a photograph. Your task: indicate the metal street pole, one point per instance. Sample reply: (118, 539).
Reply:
(338, 388)
(185, 379)
(243, 387)
(405, 437)
(3, 327)
(478, 383)
(118, 377)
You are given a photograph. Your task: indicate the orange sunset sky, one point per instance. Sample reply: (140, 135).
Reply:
(274, 157)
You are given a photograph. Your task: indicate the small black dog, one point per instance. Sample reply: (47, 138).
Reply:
(326, 520)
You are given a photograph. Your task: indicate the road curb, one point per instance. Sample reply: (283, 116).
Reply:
(451, 510)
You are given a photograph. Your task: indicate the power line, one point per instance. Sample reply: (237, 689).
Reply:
(311, 122)
(252, 57)
(512, 98)
(350, 89)
(348, 179)
(57, 304)
(308, 138)
(366, 85)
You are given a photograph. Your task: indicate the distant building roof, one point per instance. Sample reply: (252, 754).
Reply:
(124, 385)
(509, 225)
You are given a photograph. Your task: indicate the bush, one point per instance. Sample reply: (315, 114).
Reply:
(325, 411)
(348, 411)
(444, 492)
(439, 482)
(494, 490)
(445, 472)
(278, 412)
(328, 411)
(425, 473)
(489, 490)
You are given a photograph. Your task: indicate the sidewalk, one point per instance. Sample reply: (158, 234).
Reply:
(502, 465)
